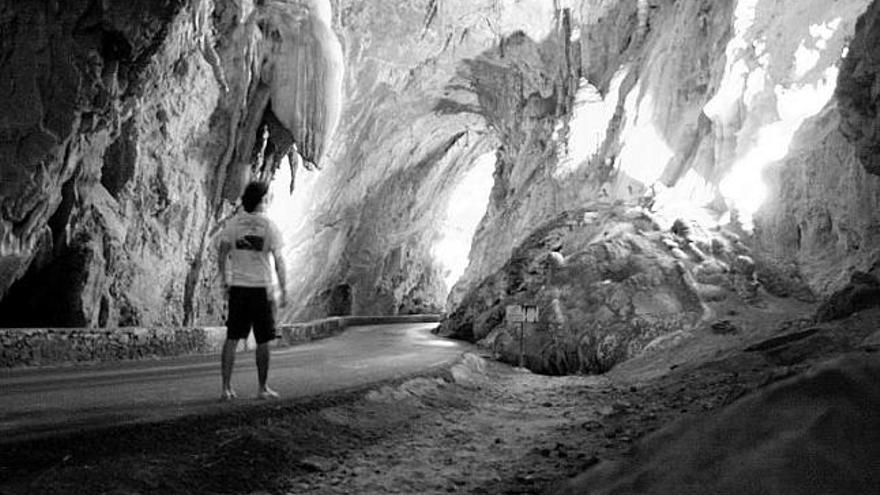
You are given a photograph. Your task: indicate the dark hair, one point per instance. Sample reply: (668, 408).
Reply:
(253, 194)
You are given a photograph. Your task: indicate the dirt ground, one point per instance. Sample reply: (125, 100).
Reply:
(480, 427)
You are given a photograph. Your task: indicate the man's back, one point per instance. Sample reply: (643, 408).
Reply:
(252, 238)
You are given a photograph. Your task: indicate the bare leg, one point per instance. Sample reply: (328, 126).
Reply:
(262, 364)
(227, 361)
(262, 355)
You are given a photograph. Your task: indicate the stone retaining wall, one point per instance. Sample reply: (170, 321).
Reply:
(41, 347)
(20, 347)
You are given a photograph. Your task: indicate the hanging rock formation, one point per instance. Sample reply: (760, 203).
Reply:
(293, 78)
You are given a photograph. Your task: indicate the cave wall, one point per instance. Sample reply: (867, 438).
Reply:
(690, 97)
(126, 136)
(105, 139)
(402, 144)
(858, 90)
(677, 113)
(704, 101)
(823, 219)
(473, 77)
(820, 216)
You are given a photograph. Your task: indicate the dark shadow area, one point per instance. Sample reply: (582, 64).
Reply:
(340, 301)
(47, 294)
(237, 448)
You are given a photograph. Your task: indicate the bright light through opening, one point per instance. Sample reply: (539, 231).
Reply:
(466, 208)
(744, 185)
(589, 122)
(646, 152)
(811, 87)
(290, 211)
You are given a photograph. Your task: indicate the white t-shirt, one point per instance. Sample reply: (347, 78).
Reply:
(253, 238)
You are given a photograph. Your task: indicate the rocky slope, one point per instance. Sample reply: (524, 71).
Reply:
(608, 284)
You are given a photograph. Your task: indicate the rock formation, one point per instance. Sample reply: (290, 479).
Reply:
(128, 132)
(126, 137)
(857, 90)
(101, 209)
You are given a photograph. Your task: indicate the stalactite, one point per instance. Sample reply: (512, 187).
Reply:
(258, 165)
(306, 71)
(643, 9)
(202, 10)
(293, 86)
(294, 162)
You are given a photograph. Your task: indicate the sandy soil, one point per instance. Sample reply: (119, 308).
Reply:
(480, 427)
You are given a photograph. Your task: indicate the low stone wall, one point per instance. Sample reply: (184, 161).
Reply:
(52, 346)
(21, 347)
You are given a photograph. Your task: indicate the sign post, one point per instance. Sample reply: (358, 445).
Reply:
(531, 314)
(516, 313)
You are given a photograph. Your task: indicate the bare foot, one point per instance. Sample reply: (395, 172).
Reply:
(267, 394)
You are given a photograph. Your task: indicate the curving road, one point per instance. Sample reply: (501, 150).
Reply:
(38, 403)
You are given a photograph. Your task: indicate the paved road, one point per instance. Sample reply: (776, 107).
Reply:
(36, 403)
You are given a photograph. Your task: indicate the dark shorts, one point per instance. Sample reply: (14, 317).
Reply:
(250, 306)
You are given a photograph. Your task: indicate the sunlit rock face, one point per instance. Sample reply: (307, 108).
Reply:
(715, 112)
(683, 105)
(821, 212)
(412, 127)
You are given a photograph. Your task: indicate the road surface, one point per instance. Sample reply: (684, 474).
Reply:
(39, 403)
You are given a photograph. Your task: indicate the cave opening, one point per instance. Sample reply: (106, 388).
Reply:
(289, 205)
(773, 130)
(465, 208)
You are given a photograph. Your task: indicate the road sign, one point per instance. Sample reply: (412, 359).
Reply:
(515, 314)
(531, 314)
(518, 313)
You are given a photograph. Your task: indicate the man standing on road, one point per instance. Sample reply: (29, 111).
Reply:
(250, 242)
